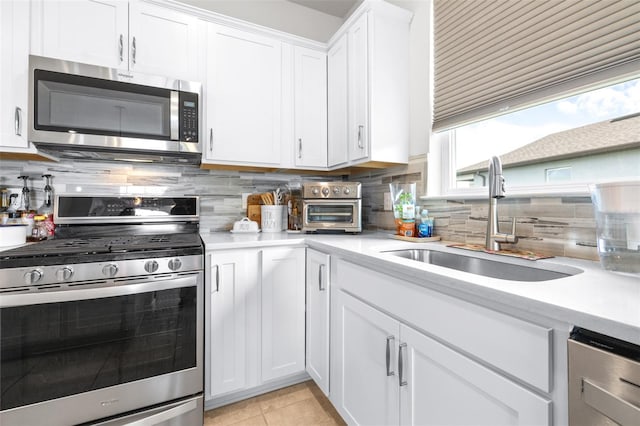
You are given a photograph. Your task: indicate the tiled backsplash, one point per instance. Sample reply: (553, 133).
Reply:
(553, 225)
(557, 226)
(220, 192)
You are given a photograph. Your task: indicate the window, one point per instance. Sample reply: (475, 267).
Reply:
(558, 174)
(589, 137)
(552, 87)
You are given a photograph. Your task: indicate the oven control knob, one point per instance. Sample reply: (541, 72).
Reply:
(64, 274)
(315, 191)
(151, 266)
(32, 276)
(325, 191)
(347, 191)
(336, 190)
(175, 264)
(110, 270)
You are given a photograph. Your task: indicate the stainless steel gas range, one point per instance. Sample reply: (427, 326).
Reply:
(104, 323)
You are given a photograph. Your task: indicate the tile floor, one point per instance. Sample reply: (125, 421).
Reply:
(301, 404)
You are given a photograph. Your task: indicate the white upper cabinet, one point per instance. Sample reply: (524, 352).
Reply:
(338, 128)
(358, 90)
(88, 31)
(377, 87)
(163, 41)
(310, 107)
(243, 98)
(14, 70)
(117, 34)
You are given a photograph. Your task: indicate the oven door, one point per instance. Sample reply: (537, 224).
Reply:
(100, 349)
(343, 215)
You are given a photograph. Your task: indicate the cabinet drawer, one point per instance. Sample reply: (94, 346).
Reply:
(517, 347)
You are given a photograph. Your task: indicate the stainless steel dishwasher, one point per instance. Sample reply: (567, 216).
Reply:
(604, 380)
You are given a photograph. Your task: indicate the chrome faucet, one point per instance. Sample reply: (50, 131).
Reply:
(496, 190)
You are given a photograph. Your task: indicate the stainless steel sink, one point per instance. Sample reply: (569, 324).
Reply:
(479, 266)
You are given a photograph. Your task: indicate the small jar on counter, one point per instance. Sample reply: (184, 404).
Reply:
(39, 231)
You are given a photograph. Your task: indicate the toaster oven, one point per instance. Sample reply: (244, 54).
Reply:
(331, 207)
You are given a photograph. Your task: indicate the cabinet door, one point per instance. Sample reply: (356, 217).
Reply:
(358, 89)
(163, 41)
(14, 70)
(444, 387)
(283, 272)
(318, 318)
(338, 128)
(243, 97)
(231, 312)
(310, 75)
(88, 31)
(364, 381)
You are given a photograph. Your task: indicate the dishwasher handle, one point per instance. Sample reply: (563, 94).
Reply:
(617, 409)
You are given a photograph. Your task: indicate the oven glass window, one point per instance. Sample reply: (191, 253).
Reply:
(78, 104)
(334, 213)
(58, 349)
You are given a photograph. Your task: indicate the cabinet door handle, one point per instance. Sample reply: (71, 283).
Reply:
(211, 139)
(360, 144)
(121, 47)
(401, 352)
(18, 121)
(217, 278)
(321, 287)
(390, 339)
(133, 50)
(299, 147)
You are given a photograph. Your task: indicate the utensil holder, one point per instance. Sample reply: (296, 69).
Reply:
(272, 218)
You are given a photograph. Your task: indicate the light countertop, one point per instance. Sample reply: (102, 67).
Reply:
(593, 298)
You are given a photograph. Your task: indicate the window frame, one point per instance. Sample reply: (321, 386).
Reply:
(441, 178)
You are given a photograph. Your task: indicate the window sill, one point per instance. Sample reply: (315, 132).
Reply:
(540, 191)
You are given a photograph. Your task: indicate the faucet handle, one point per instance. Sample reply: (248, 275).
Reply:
(512, 237)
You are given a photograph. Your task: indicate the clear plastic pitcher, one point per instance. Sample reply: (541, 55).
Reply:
(617, 211)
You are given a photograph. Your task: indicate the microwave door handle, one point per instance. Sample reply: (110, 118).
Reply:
(175, 115)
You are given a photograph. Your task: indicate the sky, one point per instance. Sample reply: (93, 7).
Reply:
(477, 142)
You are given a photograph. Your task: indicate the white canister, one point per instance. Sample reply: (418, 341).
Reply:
(271, 218)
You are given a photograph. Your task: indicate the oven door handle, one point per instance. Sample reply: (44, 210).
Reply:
(114, 288)
(165, 415)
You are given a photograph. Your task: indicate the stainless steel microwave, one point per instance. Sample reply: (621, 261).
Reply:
(80, 107)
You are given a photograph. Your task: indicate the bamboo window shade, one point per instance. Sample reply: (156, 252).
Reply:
(494, 56)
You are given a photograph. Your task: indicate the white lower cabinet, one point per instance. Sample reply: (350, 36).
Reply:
(282, 276)
(232, 321)
(317, 316)
(254, 317)
(385, 372)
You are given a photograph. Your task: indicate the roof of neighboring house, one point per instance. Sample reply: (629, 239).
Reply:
(611, 135)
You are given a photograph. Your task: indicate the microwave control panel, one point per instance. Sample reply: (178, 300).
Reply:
(188, 117)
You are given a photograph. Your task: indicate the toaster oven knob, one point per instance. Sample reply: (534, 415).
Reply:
(315, 191)
(336, 190)
(175, 264)
(151, 266)
(32, 276)
(110, 270)
(64, 274)
(347, 191)
(325, 191)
